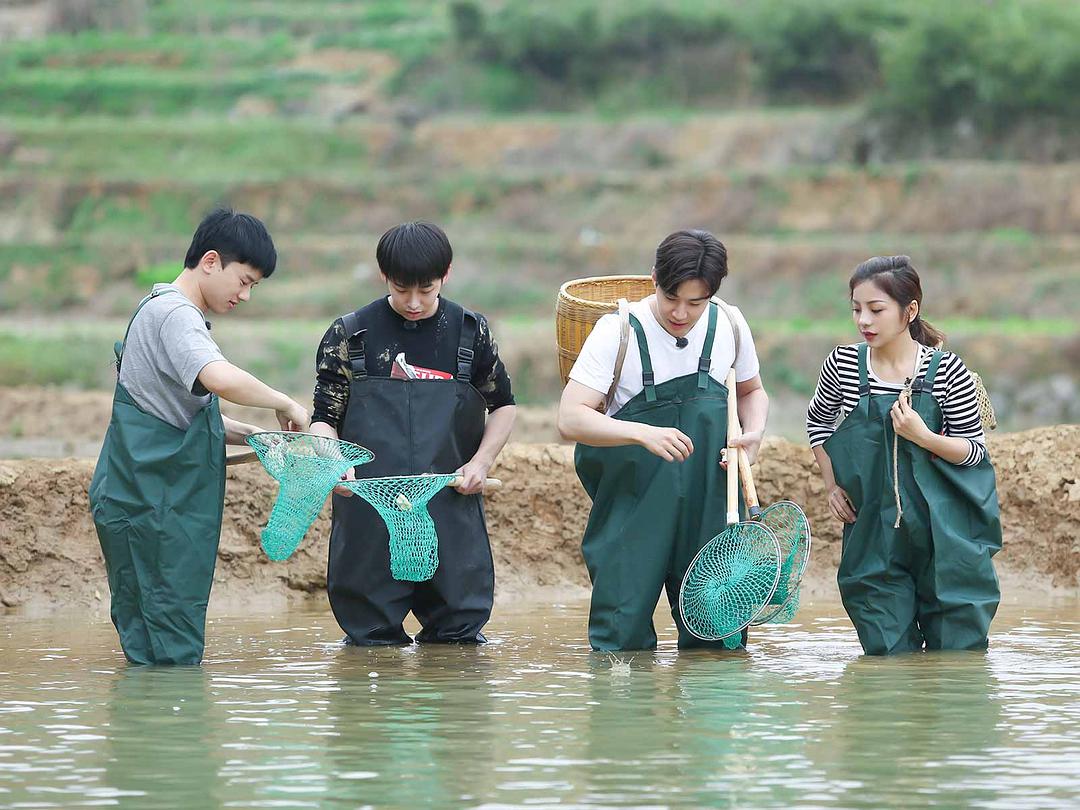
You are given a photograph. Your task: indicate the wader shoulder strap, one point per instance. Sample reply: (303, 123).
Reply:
(465, 345)
(864, 378)
(926, 381)
(620, 357)
(647, 378)
(118, 346)
(354, 338)
(704, 362)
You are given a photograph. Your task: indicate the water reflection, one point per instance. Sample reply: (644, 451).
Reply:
(943, 726)
(404, 726)
(162, 737)
(283, 715)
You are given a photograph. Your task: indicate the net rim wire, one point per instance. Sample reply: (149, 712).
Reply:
(384, 478)
(795, 580)
(775, 545)
(305, 480)
(420, 562)
(253, 441)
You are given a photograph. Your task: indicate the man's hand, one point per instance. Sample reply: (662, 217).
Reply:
(350, 475)
(671, 444)
(473, 475)
(750, 443)
(293, 417)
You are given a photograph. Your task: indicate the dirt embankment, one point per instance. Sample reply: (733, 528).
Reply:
(49, 555)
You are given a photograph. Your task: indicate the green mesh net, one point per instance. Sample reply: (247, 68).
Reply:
(307, 467)
(788, 522)
(401, 502)
(788, 609)
(729, 582)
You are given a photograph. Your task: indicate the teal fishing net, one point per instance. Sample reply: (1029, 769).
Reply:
(307, 467)
(401, 502)
(729, 582)
(788, 522)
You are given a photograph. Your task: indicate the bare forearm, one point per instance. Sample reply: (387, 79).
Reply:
(825, 466)
(580, 423)
(951, 448)
(236, 432)
(323, 429)
(754, 411)
(234, 384)
(496, 433)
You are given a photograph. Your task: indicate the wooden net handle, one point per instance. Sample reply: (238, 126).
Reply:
(241, 458)
(489, 483)
(732, 451)
(749, 487)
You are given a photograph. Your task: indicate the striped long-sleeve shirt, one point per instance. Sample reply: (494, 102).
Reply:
(837, 395)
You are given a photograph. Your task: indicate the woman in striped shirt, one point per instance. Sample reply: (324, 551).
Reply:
(894, 425)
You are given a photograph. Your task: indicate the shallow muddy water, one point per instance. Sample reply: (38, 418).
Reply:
(282, 715)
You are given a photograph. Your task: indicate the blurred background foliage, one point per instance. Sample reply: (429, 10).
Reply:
(552, 141)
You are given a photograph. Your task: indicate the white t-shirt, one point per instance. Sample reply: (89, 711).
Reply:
(595, 366)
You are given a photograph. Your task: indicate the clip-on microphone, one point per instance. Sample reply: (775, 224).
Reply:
(681, 342)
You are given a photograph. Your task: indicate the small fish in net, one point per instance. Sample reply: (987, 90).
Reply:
(729, 581)
(401, 502)
(788, 522)
(307, 467)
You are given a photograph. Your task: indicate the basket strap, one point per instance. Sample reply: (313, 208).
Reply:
(620, 358)
(734, 325)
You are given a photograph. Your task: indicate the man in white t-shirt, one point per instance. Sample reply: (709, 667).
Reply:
(650, 458)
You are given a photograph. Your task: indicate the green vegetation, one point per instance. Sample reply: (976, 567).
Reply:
(552, 141)
(920, 62)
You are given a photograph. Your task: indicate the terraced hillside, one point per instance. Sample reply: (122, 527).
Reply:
(326, 120)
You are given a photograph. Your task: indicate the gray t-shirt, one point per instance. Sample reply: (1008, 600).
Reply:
(168, 345)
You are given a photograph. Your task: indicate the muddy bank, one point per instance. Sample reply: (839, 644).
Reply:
(49, 557)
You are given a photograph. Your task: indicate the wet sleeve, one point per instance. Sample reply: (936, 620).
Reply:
(824, 410)
(746, 364)
(333, 376)
(187, 346)
(960, 410)
(490, 376)
(595, 364)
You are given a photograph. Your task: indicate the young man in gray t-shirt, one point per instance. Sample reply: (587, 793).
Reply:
(158, 489)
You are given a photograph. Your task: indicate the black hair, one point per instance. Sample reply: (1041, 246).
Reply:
(414, 253)
(236, 237)
(899, 280)
(688, 255)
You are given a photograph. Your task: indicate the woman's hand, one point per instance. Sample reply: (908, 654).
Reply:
(841, 505)
(907, 422)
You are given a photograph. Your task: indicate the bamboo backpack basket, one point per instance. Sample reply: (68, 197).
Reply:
(582, 302)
